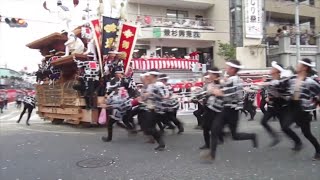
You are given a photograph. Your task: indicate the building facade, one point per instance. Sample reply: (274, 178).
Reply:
(285, 52)
(277, 17)
(247, 32)
(281, 31)
(178, 28)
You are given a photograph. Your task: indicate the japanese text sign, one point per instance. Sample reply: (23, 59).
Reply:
(254, 19)
(110, 28)
(127, 42)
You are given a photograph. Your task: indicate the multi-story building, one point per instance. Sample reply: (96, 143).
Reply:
(180, 27)
(247, 32)
(281, 13)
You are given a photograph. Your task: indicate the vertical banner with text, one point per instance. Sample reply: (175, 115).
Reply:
(254, 19)
(95, 26)
(110, 28)
(127, 43)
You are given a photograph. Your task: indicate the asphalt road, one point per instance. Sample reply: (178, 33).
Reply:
(64, 152)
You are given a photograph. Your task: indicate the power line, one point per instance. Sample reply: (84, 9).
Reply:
(203, 31)
(31, 20)
(213, 20)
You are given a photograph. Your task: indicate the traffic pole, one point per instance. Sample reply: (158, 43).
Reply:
(297, 22)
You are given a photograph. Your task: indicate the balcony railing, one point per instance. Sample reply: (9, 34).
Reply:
(186, 23)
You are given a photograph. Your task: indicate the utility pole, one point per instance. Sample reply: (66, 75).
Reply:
(297, 21)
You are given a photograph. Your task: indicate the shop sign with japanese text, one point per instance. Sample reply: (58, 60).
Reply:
(177, 33)
(254, 19)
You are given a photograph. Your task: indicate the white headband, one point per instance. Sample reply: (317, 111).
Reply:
(114, 52)
(234, 65)
(275, 65)
(307, 64)
(154, 73)
(144, 74)
(163, 78)
(214, 72)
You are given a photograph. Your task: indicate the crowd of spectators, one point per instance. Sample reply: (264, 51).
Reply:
(307, 37)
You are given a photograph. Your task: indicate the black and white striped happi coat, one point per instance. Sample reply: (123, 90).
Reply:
(119, 106)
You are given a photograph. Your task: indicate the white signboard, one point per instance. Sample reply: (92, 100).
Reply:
(254, 19)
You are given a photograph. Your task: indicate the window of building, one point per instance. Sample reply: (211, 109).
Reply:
(140, 53)
(176, 14)
(166, 52)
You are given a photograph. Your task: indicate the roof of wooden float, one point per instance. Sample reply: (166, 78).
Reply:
(50, 39)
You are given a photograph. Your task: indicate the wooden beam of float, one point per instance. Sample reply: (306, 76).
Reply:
(69, 59)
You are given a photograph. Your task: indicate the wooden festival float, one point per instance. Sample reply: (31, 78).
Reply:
(59, 102)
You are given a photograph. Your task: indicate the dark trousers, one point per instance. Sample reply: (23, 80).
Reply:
(303, 120)
(148, 125)
(1, 106)
(111, 122)
(6, 104)
(167, 119)
(25, 108)
(208, 118)
(140, 117)
(248, 106)
(161, 121)
(315, 114)
(198, 114)
(128, 118)
(172, 116)
(18, 104)
(89, 93)
(263, 103)
(228, 117)
(278, 112)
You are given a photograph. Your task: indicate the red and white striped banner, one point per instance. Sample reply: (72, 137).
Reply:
(161, 63)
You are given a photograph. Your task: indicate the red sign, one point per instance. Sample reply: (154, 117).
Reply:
(127, 43)
(93, 65)
(95, 25)
(54, 58)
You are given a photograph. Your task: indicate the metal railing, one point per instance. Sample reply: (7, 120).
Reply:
(189, 23)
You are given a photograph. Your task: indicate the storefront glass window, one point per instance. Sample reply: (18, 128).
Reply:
(175, 15)
(171, 52)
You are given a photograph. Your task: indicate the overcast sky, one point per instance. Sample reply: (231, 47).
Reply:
(13, 51)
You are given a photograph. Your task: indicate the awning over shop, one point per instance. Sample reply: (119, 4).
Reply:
(163, 63)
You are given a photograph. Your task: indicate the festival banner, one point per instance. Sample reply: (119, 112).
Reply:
(95, 26)
(128, 38)
(110, 28)
(254, 19)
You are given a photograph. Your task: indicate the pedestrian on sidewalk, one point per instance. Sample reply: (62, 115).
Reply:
(1, 105)
(29, 103)
(2, 100)
(6, 100)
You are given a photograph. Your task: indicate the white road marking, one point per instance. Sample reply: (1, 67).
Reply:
(15, 118)
(57, 132)
(6, 115)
